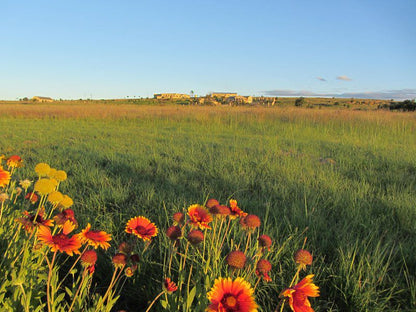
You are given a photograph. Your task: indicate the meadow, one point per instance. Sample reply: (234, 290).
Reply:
(343, 179)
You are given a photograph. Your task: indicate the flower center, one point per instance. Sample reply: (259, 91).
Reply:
(141, 230)
(60, 239)
(230, 303)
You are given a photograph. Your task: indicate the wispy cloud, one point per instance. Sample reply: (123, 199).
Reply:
(401, 94)
(321, 79)
(345, 78)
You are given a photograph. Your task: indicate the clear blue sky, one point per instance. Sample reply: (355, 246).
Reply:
(114, 49)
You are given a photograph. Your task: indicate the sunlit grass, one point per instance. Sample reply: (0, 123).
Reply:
(346, 176)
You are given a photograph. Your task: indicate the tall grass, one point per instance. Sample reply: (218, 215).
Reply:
(346, 178)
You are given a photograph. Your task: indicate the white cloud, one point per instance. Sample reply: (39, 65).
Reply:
(345, 78)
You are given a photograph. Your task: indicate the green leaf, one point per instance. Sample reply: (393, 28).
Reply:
(191, 297)
(164, 304)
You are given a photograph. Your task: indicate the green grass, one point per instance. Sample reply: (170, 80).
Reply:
(350, 182)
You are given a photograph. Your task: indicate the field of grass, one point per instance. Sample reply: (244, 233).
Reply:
(344, 179)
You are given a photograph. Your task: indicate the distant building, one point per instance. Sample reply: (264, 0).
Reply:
(223, 95)
(241, 99)
(232, 97)
(171, 96)
(42, 99)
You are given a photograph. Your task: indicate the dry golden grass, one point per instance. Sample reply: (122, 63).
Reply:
(97, 110)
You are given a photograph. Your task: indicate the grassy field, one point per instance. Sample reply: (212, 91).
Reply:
(344, 179)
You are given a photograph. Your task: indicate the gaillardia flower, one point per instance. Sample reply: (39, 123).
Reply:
(265, 241)
(89, 258)
(30, 221)
(169, 285)
(303, 258)
(250, 222)
(32, 197)
(95, 238)
(235, 210)
(199, 216)
(236, 259)
(263, 268)
(178, 218)
(212, 202)
(4, 177)
(174, 232)
(142, 228)
(195, 237)
(60, 242)
(119, 260)
(14, 161)
(65, 215)
(298, 295)
(231, 296)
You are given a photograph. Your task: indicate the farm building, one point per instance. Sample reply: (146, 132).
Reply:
(223, 95)
(42, 99)
(170, 96)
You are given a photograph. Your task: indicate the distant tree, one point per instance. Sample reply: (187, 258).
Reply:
(25, 99)
(300, 101)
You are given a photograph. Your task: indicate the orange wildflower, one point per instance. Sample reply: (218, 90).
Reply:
(303, 258)
(195, 237)
(119, 260)
(227, 296)
(32, 197)
(60, 242)
(95, 238)
(298, 295)
(235, 210)
(236, 259)
(265, 241)
(199, 216)
(65, 215)
(4, 177)
(89, 258)
(29, 222)
(250, 222)
(178, 218)
(14, 161)
(211, 203)
(263, 268)
(142, 228)
(174, 232)
(169, 285)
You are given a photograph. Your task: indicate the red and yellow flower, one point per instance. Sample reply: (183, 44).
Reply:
(4, 177)
(30, 221)
(265, 241)
(60, 242)
(227, 296)
(14, 161)
(298, 295)
(95, 238)
(142, 227)
(303, 258)
(169, 285)
(199, 216)
(235, 210)
(263, 268)
(65, 215)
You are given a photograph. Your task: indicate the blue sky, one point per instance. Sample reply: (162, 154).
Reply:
(114, 49)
